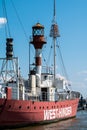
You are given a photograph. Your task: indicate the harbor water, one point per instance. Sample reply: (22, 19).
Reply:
(77, 123)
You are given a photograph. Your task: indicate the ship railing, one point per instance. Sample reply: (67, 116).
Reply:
(31, 95)
(45, 69)
(74, 94)
(44, 38)
(44, 96)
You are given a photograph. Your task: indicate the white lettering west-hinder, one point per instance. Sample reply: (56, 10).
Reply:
(57, 113)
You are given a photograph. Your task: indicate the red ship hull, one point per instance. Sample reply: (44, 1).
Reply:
(18, 112)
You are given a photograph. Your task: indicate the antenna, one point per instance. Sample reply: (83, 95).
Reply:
(54, 11)
(54, 33)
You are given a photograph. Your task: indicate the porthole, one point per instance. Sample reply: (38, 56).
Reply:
(39, 107)
(32, 102)
(34, 107)
(28, 107)
(19, 107)
(9, 106)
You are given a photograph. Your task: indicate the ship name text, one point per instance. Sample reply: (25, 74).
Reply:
(57, 113)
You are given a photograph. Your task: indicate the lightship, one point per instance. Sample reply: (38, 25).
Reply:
(44, 97)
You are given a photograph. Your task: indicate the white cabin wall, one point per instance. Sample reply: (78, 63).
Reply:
(33, 85)
(51, 93)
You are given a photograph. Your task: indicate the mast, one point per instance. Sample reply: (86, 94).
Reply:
(54, 33)
(9, 71)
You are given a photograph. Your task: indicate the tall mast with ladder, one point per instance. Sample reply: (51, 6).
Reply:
(9, 72)
(54, 33)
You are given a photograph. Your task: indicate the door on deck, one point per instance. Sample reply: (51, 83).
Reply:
(44, 94)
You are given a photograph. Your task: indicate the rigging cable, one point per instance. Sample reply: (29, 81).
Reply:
(26, 36)
(64, 69)
(19, 20)
(5, 13)
(62, 61)
(50, 54)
